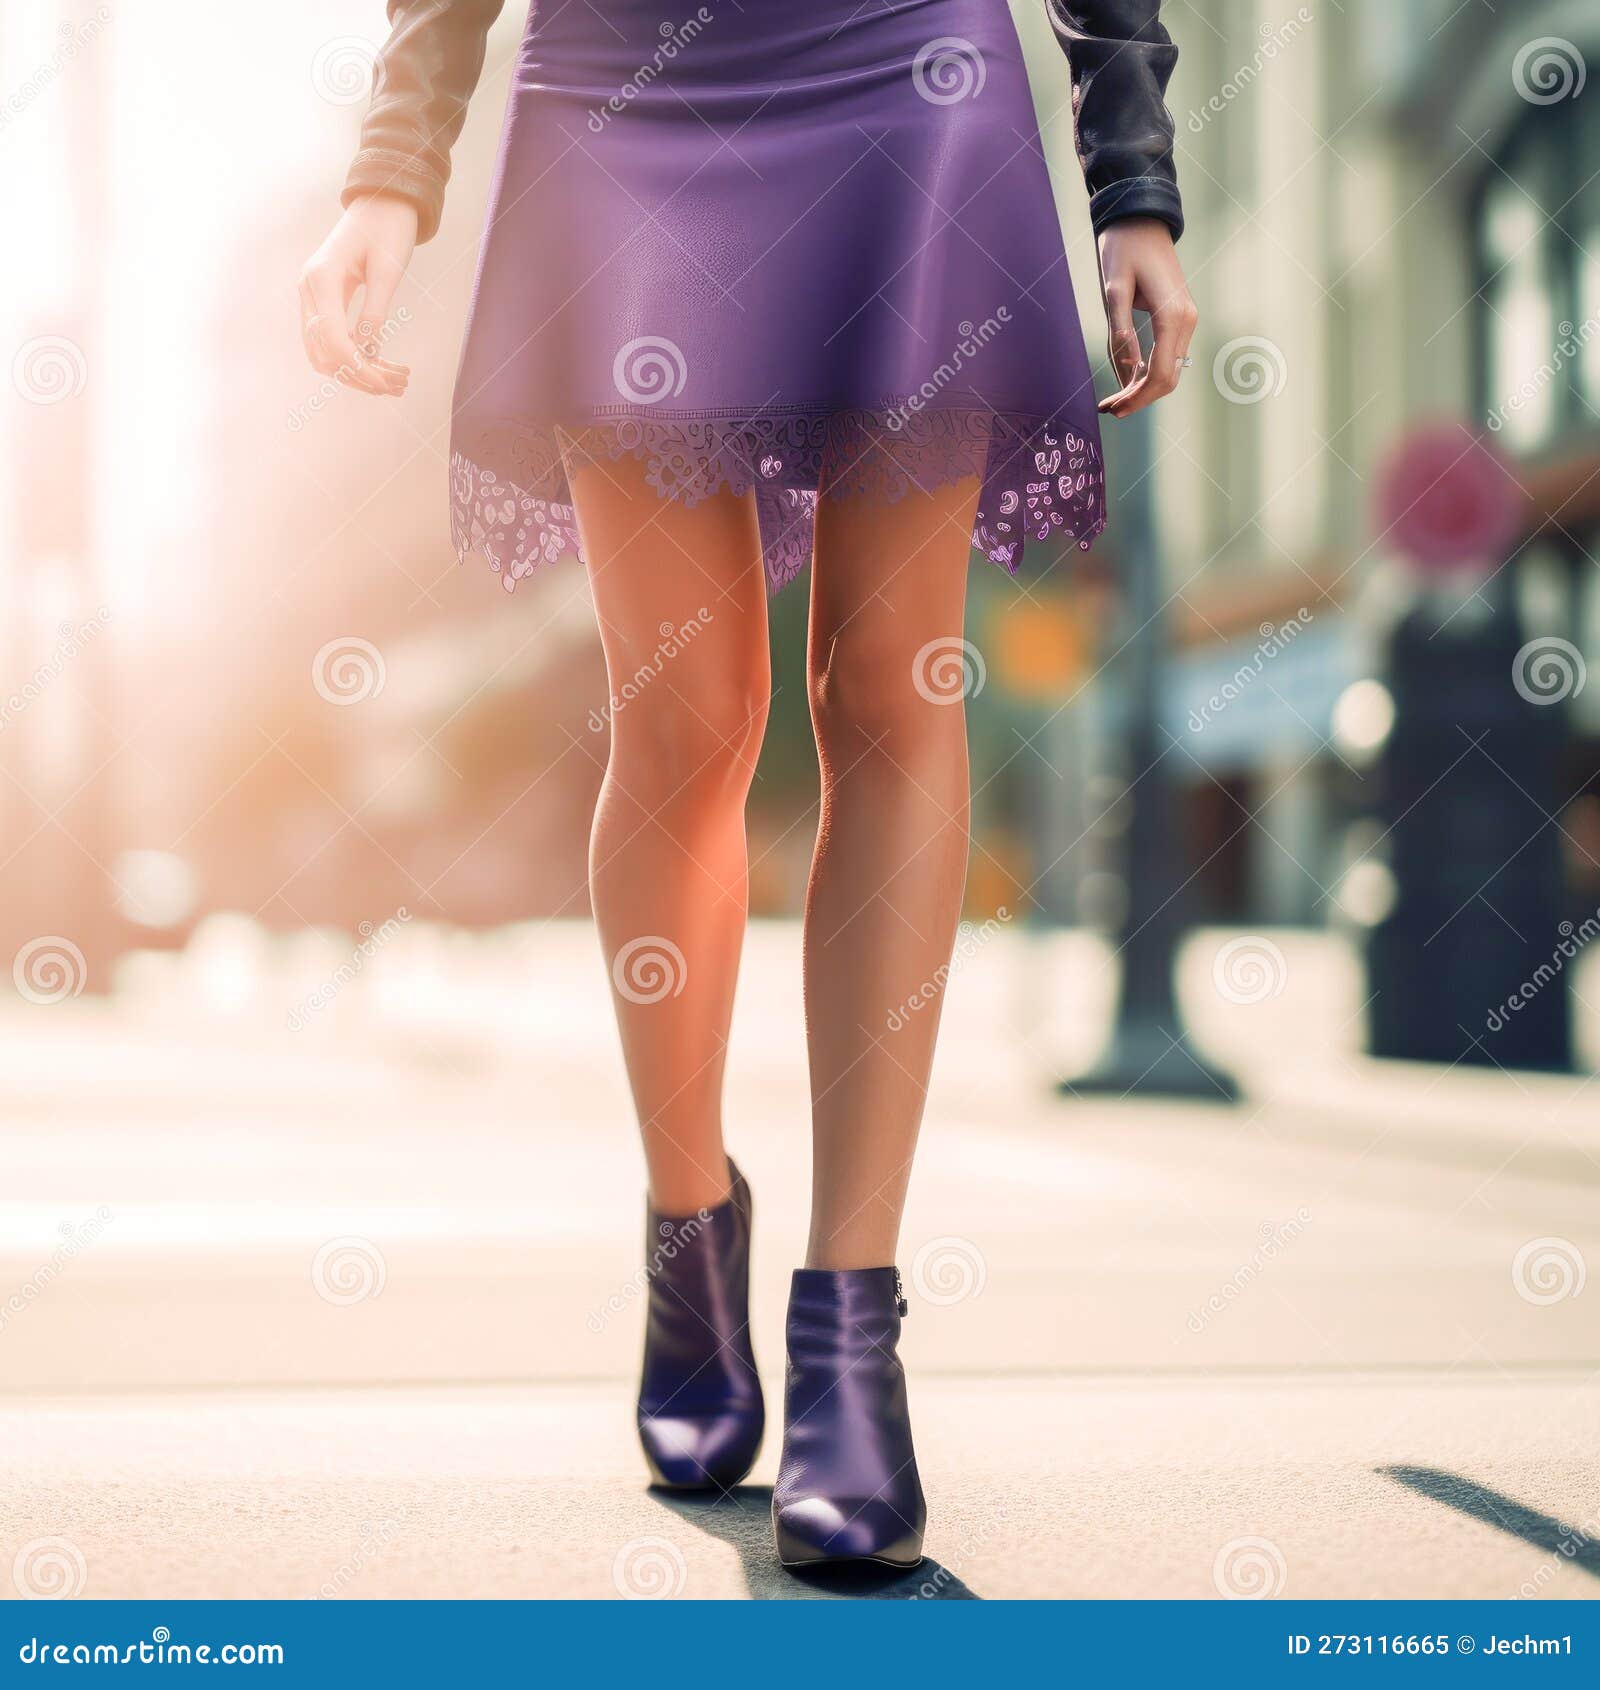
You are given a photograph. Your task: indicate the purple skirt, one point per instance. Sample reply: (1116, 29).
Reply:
(788, 246)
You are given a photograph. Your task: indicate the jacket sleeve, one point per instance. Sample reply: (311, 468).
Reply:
(1121, 57)
(421, 84)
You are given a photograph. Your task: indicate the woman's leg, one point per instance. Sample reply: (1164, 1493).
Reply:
(887, 601)
(681, 600)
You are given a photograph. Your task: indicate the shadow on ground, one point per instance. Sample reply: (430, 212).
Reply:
(1543, 1531)
(743, 1517)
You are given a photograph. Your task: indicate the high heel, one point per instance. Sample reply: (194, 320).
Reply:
(700, 1411)
(847, 1485)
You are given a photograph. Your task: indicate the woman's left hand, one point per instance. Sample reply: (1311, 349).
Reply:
(1139, 271)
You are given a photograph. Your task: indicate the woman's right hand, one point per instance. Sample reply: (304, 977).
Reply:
(368, 250)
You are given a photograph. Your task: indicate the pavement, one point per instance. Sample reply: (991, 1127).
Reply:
(345, 1299)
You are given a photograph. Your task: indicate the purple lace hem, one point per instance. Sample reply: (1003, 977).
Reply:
(1041, 480)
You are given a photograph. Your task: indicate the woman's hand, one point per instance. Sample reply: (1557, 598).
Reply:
(1139, 271)
(369, 249)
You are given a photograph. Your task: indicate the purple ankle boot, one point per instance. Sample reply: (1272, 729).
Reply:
(847, 1485)
(700, 1410)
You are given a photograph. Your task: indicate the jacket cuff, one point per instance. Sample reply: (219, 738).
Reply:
(1138, 196)
(377, 171)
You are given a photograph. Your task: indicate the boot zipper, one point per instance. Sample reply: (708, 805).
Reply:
(900, 1296)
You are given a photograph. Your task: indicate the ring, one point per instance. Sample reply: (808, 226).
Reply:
(1186, 363)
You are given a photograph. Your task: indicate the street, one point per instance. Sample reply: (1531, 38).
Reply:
(347, 1300)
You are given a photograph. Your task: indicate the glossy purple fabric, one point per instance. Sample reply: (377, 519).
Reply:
(778, 247)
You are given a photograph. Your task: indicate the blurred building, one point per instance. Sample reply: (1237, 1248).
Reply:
(1393, 216)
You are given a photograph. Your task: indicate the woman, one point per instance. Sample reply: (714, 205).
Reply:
(762, 285)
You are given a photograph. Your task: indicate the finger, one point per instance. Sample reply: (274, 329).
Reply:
(1122, 339)
(1174, 324)
(327, 336)
(374, 327)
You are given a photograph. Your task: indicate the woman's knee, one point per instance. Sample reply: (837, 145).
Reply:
(680, 731)
(872, 694)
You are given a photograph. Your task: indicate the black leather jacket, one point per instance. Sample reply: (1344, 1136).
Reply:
(1118, 52)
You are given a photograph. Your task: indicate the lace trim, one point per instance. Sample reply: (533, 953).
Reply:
(1040, 480)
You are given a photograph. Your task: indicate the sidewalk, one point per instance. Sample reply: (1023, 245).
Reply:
(364, 1308)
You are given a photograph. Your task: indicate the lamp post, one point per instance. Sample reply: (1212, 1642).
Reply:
(1150, 1053)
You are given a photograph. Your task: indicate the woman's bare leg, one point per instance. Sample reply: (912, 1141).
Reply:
(888, 597)
(682, 606)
